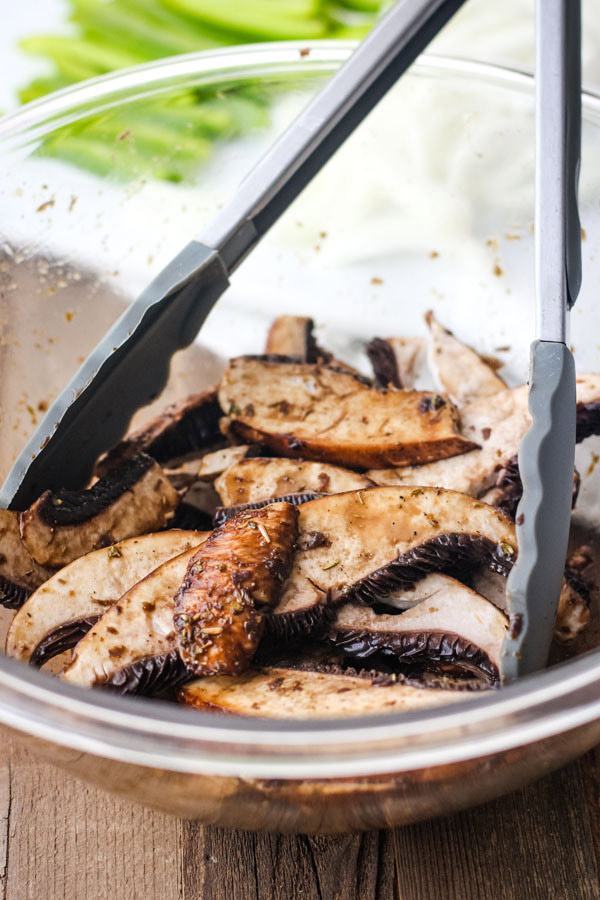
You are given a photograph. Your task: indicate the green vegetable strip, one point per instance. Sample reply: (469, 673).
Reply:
(114, 160)
(168, 139)
(175, 22)
(113, 23)
(267, 20)
(78, 52)
(369, 6)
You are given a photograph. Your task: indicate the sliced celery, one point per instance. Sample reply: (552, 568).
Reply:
(114, 23)
(267, 20)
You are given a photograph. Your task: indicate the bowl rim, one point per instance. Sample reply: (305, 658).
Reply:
(172, 737)
(230, 63)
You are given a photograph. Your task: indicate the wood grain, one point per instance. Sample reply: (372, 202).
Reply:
(62, 840)
(69, 841)
(535, 843)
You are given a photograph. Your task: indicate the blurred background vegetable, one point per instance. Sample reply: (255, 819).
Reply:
(169, 140)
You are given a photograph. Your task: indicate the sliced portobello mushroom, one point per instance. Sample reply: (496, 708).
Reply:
(508, 489)
(573, 614)
(368, 544)
(458, 369)
(132, 648)
(383, 362)
(320, 413)
(258, 482)
(452, 625)
(20, 574)
(215, 463)
(223, 513)
(63, 609)
(497, 426)
(396, 361)
(588, 406)
(252, 480)
(293, 336)
(230, 582)
(280, 693)
(185, 427)
(189, 517)
(63, 525)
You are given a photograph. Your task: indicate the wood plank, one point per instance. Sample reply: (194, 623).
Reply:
(232, 865)
(69, 841)
(590, 771)
(5, 801)
(536, 843)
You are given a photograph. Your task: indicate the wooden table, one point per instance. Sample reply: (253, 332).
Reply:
(63, 840)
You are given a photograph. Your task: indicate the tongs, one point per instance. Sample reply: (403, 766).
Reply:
(547, 452)
(130, 366)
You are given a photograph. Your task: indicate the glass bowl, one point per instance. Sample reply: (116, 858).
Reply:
(429, 204)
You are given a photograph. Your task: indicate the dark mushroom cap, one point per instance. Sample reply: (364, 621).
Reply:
(383, 362)
(185, 427)
(133, 500)
(223, 513)
(451, 625)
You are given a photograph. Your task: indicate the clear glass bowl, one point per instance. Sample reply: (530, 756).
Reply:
(428, 205)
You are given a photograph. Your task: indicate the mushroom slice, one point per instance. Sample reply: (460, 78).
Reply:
(452, 625)
(367, 544)
(459, 370)
(223, 513)
(293, 336)
(409, 353)
(318, 412)
(63, 609)
(573, 614)
(395, 361)
(132, 500)
(215, 463)
(182, 428)
(134, 642)
(588, 406)
(233, 577)
(252, 480)
(281, 693)
(508, 490)
(19, 572)
(383, 362)
(497, 426)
